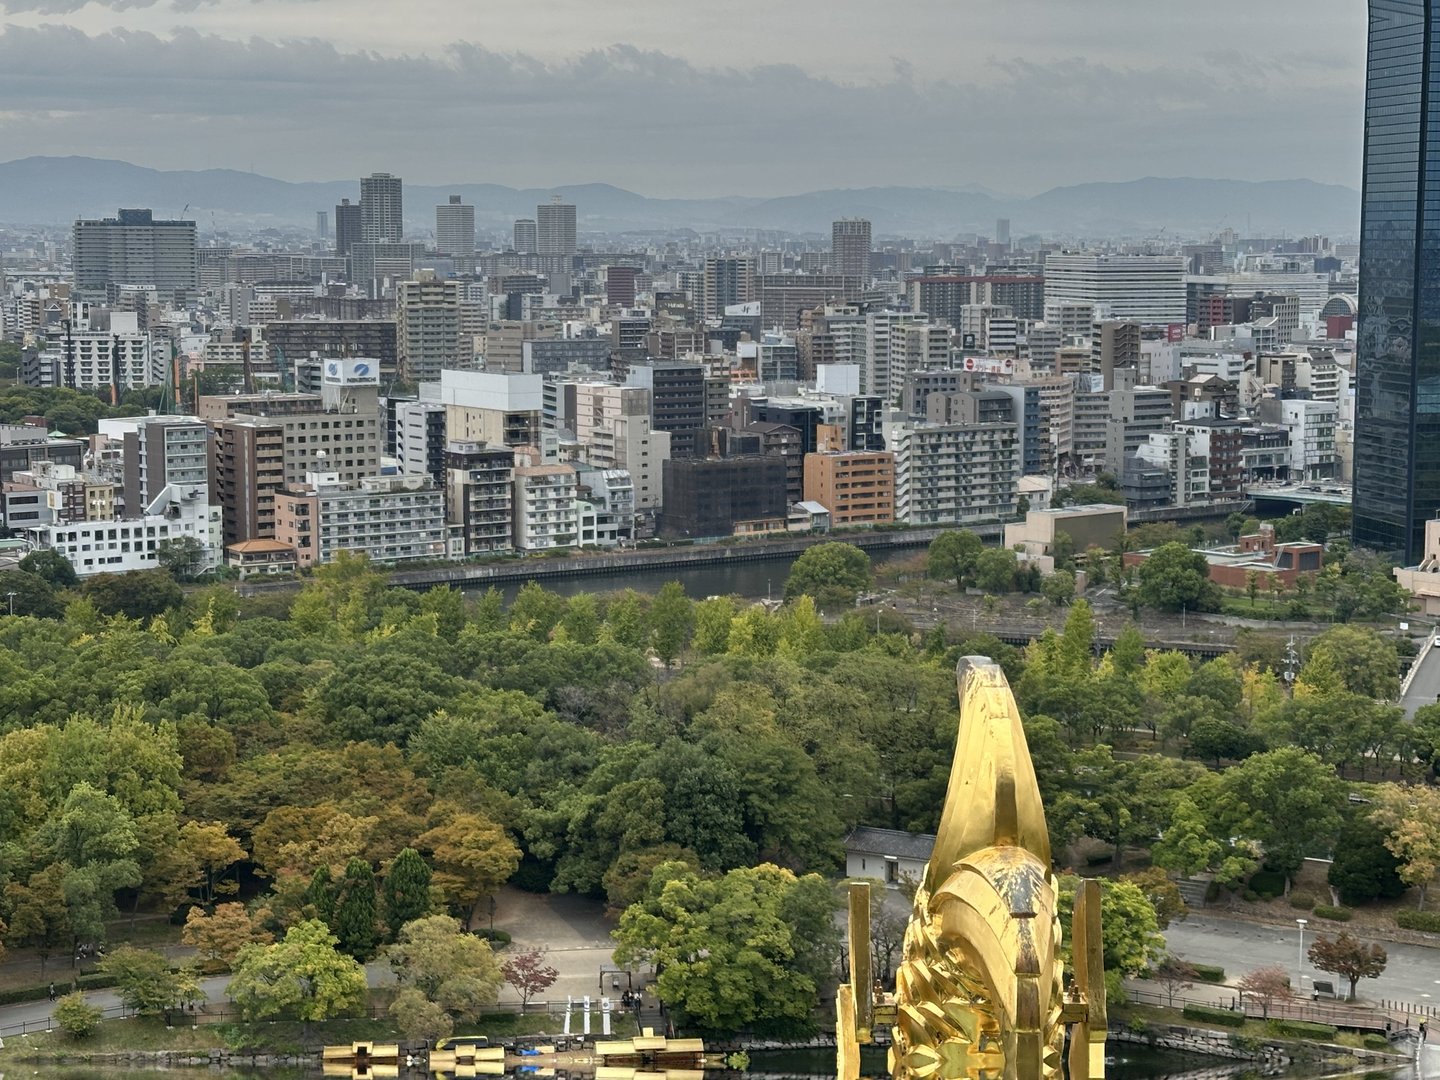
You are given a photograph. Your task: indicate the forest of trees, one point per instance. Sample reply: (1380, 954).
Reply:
(340, 763)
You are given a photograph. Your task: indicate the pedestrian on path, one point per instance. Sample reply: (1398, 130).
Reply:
(52, 991)
(1422, 1031)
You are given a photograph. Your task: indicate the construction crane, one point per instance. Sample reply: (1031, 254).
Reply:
(282, 366)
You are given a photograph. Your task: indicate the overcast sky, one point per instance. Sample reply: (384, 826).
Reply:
(693, 98)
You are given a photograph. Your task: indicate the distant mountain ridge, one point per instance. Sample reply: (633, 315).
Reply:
(55, 190)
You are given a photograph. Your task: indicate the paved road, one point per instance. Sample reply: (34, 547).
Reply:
(1425, 687)
(1413, 974)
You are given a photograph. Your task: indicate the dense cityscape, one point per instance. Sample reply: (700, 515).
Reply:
(437, 619)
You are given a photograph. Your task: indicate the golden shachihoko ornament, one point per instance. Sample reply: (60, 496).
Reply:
(980, 992)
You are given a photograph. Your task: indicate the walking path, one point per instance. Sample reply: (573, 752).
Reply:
(1427, 1061)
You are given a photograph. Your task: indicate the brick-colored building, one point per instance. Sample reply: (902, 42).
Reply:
(856, 486)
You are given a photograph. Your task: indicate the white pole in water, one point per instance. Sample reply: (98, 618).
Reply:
(569, 1006)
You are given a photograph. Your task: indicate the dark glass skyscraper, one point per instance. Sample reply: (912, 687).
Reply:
(1397, 391)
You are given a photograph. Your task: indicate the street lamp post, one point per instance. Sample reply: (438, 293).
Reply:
(11, 595)
(1300, 957)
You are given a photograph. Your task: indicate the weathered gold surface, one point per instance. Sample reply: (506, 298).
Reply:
(979, 992)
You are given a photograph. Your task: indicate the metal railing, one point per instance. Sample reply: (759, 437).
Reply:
(222, 1012)
(1335, 1015)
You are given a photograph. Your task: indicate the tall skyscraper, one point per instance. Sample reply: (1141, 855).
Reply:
(348, 230)
(1397, 382)
(455, 227)
(526, 239)
(381, 208)
(322, 225)
(555, 228)
(850, 248)
(134, 248)
(1002, 231)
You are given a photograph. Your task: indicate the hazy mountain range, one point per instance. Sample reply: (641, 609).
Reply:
(53, 190)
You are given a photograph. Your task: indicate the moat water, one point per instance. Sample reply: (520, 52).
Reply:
(1126, 1062)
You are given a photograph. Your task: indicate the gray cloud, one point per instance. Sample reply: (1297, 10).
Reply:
(654, 121)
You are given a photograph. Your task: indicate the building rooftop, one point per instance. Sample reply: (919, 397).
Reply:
(904, 845)
(258, 547)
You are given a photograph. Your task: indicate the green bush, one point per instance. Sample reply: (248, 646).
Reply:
(1209, 973)
(77, 1017)
(1205, 1014)
(1301, 1029)
(495, 937)
(1301, 900)
(1268, 883)
(1213, 892)
(1419, 920)
(1250, 896)
(1334, 914)
(1376, 1042)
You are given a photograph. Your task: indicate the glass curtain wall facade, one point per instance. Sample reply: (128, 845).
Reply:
(1397, 428)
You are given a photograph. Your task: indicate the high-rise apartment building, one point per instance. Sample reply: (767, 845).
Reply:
(322, 225)
(1147, 289)
(455, 227)
(1397, 409)
(160, 451)
(349, 230)
(479, 495)
(428, 327)
(526, 236)
(133, 248)
(727, 281)
(850, 248)
(381, 208)
(555, 228)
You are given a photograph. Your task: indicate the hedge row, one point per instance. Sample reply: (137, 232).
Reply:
(1334, 914)
(1223, 1017)
(1209, 973)
(1418, 920)
(62, 986)
(1302, 1029)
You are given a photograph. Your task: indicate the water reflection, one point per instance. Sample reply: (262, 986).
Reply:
(1130, 1062)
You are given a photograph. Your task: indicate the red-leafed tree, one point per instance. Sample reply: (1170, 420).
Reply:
(529, 974)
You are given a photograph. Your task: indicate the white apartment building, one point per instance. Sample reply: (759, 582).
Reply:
(1311, 425)
(882, 372)
(92, 359)
(1146, 289)
(954, 474)
(499, 408)
(392, 519)
(1072, 318)
(1180, 454)
(613, 426)
(114, 547)
(546, 514)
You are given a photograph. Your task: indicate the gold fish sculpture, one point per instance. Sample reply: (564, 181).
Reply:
(980, 991)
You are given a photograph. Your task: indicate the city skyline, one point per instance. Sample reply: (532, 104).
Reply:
(186, 85)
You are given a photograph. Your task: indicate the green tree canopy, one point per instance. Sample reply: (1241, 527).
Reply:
(833, 573)
(1174, 578)
(302, 976)
(747, 950)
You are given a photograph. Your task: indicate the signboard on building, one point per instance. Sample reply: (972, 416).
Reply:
(352, 371)
(1175, 333)
(990, 365)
